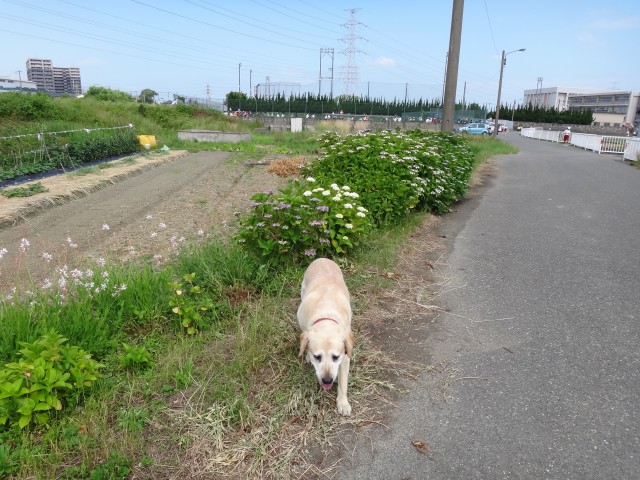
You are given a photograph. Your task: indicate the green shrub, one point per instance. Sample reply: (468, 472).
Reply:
(46, 374)
(28, 191)
(304, 220)
(67, 150)
(395, 172)
(17, 106)
(134, 358)
(188, 304)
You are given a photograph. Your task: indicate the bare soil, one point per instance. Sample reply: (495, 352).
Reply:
(151, 207)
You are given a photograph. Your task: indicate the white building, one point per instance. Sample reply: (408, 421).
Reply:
(8, 84)
(610, 108)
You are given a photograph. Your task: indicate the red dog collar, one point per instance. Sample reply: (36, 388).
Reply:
(324, 318)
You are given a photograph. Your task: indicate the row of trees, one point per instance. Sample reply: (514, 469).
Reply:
(323, 104)
(531, 114)
(354, 105)
(147, 95)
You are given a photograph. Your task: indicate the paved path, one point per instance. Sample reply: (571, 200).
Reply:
(541, 347)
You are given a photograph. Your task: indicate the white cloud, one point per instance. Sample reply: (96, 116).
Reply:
(385, 62)
(623, 23)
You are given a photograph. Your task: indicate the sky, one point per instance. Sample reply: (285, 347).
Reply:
(397, 49)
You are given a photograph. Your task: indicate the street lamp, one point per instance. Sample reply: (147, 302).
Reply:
(502, 64)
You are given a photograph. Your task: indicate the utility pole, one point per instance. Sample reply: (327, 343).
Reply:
(453, 59)
(250, 84)
(19, 72)
(239, 66)
(464, 95)
(330, 53)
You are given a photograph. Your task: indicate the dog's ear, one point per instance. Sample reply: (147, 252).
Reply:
(348, 343)
(304, 341)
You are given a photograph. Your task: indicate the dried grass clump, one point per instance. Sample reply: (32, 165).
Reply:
(286, 167)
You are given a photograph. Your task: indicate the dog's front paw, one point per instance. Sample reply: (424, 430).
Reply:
(344, 408)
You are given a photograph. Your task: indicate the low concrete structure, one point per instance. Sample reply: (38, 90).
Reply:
(213, 136)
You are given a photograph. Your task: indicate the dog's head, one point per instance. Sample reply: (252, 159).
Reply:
(325, 351)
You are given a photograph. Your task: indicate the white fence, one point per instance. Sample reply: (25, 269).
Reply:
(628, 147)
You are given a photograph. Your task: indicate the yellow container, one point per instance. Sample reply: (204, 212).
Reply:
(147, 141)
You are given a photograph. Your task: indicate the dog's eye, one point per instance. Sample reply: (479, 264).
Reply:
(318, 357)
(335, 357)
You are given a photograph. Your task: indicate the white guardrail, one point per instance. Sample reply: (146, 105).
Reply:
(628, 147)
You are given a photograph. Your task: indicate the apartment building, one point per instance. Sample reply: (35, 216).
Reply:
(54, 80)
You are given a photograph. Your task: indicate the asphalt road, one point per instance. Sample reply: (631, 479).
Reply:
(539, 353)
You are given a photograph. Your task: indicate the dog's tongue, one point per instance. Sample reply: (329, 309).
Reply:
(327, 386)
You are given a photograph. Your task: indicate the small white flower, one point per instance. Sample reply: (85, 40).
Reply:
(360, 214)
(339, 215)
(3, 252)
(200, 232)
(154, 234)
(47, 256)
(326, 193)
(349, 225)
(362, 209)
(162, 225)
(105, 227)
(337, 198)
(311, 179)
(149, 217)
(345, 188)
(335, 186)
(344, 237)
(24, 244)
(348, 205)
(308, 193)
(101, 261)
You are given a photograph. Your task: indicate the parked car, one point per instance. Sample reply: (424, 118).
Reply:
(475, 129)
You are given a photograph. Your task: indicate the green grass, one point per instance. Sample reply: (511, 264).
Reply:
(484, 147)
(235, 388)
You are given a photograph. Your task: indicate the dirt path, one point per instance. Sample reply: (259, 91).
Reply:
(149, 208)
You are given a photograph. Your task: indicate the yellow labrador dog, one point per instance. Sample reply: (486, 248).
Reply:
(324, 316)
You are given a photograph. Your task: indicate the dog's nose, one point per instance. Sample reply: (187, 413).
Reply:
(327, 380)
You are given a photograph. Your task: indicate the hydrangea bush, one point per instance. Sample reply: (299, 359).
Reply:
(304, 220)
(396, 172)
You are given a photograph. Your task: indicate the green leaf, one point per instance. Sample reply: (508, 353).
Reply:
(24, 421)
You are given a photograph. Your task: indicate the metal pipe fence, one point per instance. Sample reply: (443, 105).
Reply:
(628, 147)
